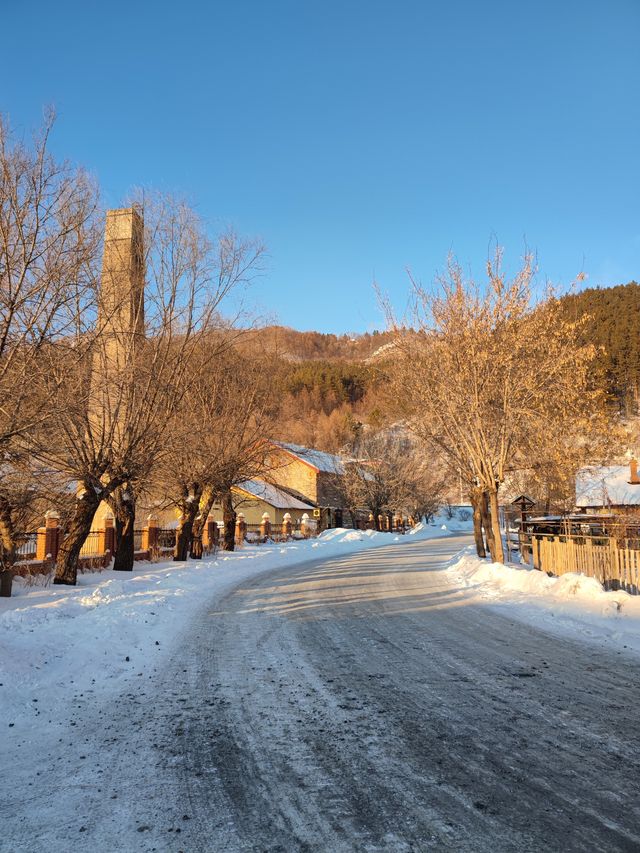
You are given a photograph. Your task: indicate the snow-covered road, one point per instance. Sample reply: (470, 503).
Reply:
(360, 702)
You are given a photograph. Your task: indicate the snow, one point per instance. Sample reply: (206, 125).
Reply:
(607, 485)
(382, 352)
(571, 605)
(325, 462)
(63, 646)
(272, 495)
(115, 626)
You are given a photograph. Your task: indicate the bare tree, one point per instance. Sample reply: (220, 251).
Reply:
(200, 338)
(485, 372)
(48, 249)
(427, 482)
(382, 474)
(135, 371)
(226, 416)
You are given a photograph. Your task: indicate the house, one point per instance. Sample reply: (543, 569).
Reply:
(303, 480)
(252, 497)
(255, 497)
(311, 475)
(610, 488)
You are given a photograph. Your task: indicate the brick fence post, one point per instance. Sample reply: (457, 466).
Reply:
(150, 535)
(241, 529)
(48, 541)
(265, 526)
(286, 524)
(41, 544)
(107, 538)
(208, 535)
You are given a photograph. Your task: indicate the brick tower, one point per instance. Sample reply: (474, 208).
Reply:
(120, 329)
(122, 284)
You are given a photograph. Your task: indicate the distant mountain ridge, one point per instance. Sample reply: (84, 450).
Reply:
(294, 346)
(331, 384)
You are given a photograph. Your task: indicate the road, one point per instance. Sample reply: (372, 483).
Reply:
(363, 703)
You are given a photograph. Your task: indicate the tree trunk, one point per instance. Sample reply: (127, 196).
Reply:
(486, 522)
(229, 518)
(475, 496)
(123, 504)
(206, 502)
(185, 528)
(195, 547)
(7, 536)
(497, 553)
(76, 533)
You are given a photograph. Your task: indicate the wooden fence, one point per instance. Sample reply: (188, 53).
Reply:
(612, 561)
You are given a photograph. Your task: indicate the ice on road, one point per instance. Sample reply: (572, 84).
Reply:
(363, 702)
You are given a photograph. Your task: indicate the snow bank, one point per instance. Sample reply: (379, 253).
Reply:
(114, 626)
(572, 604)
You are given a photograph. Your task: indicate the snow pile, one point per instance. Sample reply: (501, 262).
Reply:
(569, 604)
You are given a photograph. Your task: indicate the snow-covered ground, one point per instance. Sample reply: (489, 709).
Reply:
(170, 700)
(113, 626)
(58, 642)
(572, 604)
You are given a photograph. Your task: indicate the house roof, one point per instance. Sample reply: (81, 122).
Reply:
(607, 485)
(272, 495)
(326, 462)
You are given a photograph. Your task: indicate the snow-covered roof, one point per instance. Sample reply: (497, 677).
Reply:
(272, 495)
(607, 485)
(318, 459)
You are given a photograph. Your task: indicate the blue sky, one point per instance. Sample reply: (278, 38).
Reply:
(356, 138)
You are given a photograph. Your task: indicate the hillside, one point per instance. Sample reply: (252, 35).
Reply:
(292, 345)
(330, 385)
(614, 326)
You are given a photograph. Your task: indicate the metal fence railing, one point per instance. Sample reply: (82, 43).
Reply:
(166, 538)
(137, 540)
(27, 546)
(93, 548)
(93, 545)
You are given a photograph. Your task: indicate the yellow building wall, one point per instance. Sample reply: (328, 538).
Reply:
(294, 474)
(254, 509)
(166, 517)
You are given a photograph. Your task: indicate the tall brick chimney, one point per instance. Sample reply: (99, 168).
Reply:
(120, 329)
(122, 284)
(633, 466)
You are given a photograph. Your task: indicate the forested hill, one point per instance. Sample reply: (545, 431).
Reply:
(614, 325)
(329, 385)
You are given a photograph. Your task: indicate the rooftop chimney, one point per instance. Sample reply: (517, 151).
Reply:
(633, 465)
